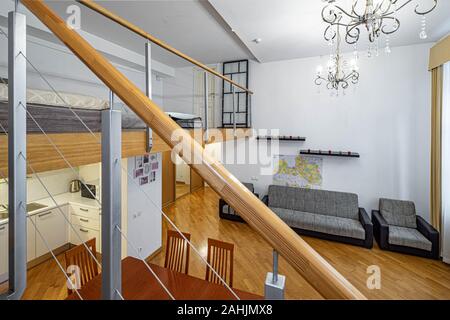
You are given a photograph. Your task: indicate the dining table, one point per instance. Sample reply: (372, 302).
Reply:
(139, 283)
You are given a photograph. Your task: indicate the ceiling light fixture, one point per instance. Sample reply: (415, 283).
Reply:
(338, 76)
(378, 17)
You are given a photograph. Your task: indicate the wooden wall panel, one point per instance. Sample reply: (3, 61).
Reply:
(168, 179)
(78, 148)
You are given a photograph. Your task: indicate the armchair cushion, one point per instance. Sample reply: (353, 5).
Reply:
(408, 237)
(398, 213)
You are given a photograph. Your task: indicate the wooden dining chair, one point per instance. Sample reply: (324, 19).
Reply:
(177, 252)
(81, 260)
(220, 258)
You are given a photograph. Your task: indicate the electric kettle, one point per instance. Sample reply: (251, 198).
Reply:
(75, 186)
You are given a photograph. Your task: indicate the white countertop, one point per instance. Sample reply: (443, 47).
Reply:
(62, 199)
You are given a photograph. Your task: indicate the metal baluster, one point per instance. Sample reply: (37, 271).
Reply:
(148, 88)
(17, 69)
(275, 284)
(206, 97)
(234, 109)
(111, 200)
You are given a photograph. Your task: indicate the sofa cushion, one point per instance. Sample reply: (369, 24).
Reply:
(408, 237)
(321, 223)
(398, 213)
(331, 203)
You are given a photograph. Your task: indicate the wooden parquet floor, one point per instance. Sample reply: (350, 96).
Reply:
(402, 276)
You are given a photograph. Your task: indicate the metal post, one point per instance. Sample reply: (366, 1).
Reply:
(148, 88)
(234, 109)
(111, 202)
(17, 173)
(275, 283)
(249, 110)
(275, 266)
(206, 96)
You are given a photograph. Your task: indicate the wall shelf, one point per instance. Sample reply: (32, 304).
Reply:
(345, 154)
(281, 138)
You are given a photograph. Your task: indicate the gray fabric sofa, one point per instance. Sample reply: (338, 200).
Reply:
(398, 228)
(324, 214)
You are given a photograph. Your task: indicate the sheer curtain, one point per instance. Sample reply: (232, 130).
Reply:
(446, 164)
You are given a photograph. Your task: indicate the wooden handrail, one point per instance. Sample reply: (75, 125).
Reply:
(316, 270)
(112, 16)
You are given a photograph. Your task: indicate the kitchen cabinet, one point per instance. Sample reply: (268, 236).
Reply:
(85, 211)
(52, 225)
(84, 234)
(86, 225)
(4, 249)
(3, 252)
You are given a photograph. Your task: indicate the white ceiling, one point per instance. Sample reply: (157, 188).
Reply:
(203, 28)
(191, 26)
(294, 28)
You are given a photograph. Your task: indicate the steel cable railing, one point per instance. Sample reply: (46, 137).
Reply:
(72, 284)
(52, 88)
(57, 150)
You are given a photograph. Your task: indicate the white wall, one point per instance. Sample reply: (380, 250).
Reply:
(386, 119)
(144, 215)
(56, 182)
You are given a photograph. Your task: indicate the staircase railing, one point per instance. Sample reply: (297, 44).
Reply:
(316, 270)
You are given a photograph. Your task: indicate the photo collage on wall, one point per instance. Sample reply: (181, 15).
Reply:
(145, 168)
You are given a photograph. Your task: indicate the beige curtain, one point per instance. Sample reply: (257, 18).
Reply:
(436, 147)
(439, 55)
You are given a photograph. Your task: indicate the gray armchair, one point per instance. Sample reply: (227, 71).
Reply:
(398, 228)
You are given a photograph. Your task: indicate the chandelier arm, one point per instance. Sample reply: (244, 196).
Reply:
(416, 11)
(326, 32)
(403, 5)
(344, 84)
(357, 15)
(387, 11)
(395, 29)
(352, 38)
(422, 13)
(334, 14)
(318, 81)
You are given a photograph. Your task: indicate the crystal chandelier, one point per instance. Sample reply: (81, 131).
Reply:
(378, 17)
(337, 77)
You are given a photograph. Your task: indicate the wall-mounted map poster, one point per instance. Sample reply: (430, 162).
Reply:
(298, 171)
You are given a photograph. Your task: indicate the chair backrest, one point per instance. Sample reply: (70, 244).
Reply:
(84, 262)
(220, 258)
(177, 252)
(398, 212)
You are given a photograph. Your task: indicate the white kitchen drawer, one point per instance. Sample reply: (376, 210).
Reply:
(85, 222)
(87, 212)
(52, 226)
(84, 234)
